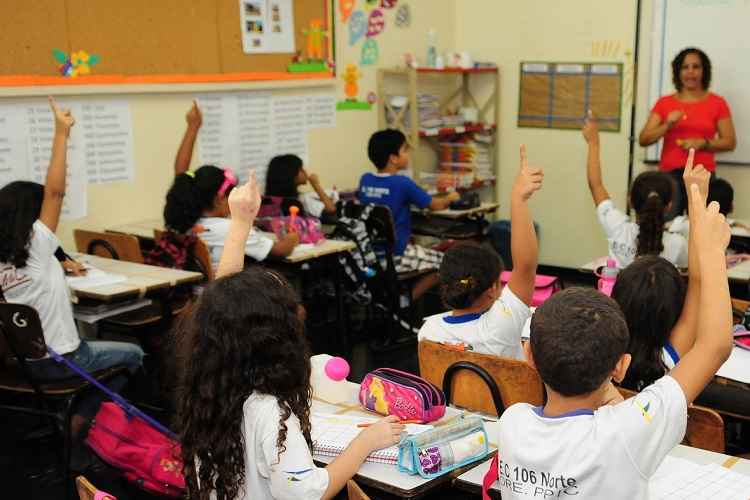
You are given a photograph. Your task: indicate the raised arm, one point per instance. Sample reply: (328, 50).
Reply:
(244, 203)
(330, 206)
(593, 163)
(194, 119)
(54, 185)
(655, 127)
(713, 342)
(523, 242)
(683, 334)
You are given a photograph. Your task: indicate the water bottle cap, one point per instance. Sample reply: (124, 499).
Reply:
(337, 368)
(611, 262)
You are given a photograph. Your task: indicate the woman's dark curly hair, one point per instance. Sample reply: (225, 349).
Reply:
(281, 175)
(680, 59)
(651, 294)
(20, 206)
(650, 194)
(242, 337)
(467, 271)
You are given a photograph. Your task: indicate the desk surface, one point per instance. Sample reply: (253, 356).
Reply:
(386, 477)
(457, 214)
(141, 278)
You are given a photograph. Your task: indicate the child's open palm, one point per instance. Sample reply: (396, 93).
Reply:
(529, 180)
(63, 117)
(244, 201)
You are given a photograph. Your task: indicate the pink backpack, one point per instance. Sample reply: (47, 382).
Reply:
(544, 287)
(145, 456)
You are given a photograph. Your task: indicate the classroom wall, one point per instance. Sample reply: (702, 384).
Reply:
(338, 155)
(538, 30)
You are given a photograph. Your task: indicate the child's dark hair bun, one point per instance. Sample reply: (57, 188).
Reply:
(467, 271)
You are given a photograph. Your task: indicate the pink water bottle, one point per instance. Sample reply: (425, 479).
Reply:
(608, 277)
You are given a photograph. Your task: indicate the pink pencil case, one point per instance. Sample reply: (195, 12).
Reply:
(544, 287)
(409, 397)
(741, 337)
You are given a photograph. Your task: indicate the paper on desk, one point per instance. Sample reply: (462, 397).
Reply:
(680, 478)
(94, 277)
(737, 367)
(301, 249)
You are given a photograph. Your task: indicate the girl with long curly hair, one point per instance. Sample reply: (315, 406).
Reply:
(244, 415)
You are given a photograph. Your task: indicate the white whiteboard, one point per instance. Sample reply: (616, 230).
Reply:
(720, 29)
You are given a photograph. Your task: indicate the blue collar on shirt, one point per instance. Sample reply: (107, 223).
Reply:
(672, 352)
(463, 318)
(539, 410)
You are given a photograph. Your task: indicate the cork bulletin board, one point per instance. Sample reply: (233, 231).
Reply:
(558, 95)
(144, 41)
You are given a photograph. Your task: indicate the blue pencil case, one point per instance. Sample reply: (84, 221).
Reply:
(441, 450)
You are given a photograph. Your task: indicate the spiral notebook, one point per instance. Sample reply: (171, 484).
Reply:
(331, 434)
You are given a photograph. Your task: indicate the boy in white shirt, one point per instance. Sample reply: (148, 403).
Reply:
(486, 317)
(650, 197)
(577, 444)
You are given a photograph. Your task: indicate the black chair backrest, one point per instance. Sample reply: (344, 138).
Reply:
(481, 373)
(95, 243)
(22, 330)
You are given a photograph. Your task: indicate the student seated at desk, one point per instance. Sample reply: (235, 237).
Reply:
(650, 196)
(389, 152)
(197, 203)
(244, 414)
(486, 316)
(720, 191)
(286, 173)
(579, 342)
(31, 274)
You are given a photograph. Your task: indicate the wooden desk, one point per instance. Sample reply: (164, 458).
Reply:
(141, 279)
(385, 477)
(471, 481)
(306, 252)
(483, 208)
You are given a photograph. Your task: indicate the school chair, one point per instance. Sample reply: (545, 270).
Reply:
(21, 338)
(110, 245)
(355, 492)
(199, 258)
(451, 369)
(705, 427)
(87, 491)
(389, 285)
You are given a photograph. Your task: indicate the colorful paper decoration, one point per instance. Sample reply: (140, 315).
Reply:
(370, 52)
(346, 7)
(376, 23)
(79, 63)
(403, 16)
(351, 78)
(371, 4)
(316, 35)
(388, 4)
(357, 26)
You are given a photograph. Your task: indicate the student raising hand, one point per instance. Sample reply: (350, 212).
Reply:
(244, 201)
(64, 120)
(194, 117)
(696, 175)
(590, 129)
(528, 180)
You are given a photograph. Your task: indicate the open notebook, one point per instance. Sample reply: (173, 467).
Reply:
(331, 434)
(677, 478)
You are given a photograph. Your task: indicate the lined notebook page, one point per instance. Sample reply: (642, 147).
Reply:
(677, 478)
(331, 434)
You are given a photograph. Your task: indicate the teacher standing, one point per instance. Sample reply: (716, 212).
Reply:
(692, 117)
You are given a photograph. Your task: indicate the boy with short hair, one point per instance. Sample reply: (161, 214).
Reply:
(577, 444)
(389, 152)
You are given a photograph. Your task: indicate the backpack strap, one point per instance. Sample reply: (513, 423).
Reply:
(490, 478)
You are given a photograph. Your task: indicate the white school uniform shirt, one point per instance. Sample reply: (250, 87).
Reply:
(293, 476)
(622, 236)
(41, 284)
(215, 232)
(496, 331)
(312, 204)
(608, 453)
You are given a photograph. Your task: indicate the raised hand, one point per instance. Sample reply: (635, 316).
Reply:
(313, 179)
(697, 175)
(244, 201)
(590, 129)
(529, 180)
(63, 118)
(712, 233)
(194, 117)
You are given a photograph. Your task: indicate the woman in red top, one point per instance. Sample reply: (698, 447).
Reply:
(692, 117)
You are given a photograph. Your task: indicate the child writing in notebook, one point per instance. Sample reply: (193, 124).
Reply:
(286, 173)
(244, 415)
(486, 316)
(197, 202)
(650, 196)
(579, 342)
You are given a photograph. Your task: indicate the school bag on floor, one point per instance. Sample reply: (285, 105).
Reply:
(147, 453)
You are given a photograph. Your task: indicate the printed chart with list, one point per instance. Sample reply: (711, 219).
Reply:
(100, 147)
